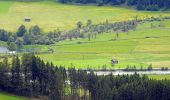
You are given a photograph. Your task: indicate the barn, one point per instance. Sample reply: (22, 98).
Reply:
(27, 19)
(114, 61)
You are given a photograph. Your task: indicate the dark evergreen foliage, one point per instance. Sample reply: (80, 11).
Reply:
(31, 77)
(152, 5)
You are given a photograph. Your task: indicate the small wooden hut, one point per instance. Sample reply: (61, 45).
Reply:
(27, 19)
(114, 61)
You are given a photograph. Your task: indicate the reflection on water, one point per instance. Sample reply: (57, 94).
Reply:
(119, 72)
(3, 49)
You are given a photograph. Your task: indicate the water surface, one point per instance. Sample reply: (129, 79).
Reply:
(3, 49)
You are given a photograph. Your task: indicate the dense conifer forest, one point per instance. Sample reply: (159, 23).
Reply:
(152, 5)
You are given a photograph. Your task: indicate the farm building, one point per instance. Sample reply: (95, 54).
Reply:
(114, 61)
(27, 19)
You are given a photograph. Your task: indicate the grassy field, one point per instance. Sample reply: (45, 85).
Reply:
(159, 77)
(50, 15)
(132, 49)
(3, 43)
(142, 47)
(4, 96)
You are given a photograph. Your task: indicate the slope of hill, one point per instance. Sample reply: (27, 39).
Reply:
(138, 48)
(52, 15)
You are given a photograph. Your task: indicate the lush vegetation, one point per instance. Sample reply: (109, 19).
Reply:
(6, 96)
(159, 77)
(127, 42)
(134, 44)
(31, 77)
(77, 37)
(35, 35)
(153, 5)
(141, 47)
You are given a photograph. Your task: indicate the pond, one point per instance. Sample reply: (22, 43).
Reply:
(3, 49)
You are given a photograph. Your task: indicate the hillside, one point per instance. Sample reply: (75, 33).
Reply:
(84, 50)
(138, 48)
(52, 15)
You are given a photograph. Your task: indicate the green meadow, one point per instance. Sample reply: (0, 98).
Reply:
(5, 96)
(159, 77)
(51, 15)
(138, 48)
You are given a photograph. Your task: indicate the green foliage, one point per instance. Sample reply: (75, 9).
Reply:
(12, 46)
(19, 43)
(21, 31)
(79, 24)
(121, 87)
(31, 77)
(140, 4)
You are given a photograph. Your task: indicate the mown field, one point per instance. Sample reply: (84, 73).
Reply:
(138, 48)
(51, 15)
(5, 96)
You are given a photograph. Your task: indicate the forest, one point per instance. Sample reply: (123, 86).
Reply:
(30, 76)
(151, 5)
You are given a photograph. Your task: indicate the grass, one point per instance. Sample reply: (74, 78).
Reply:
(5, 96)
(50, 15)
(3, 43)
(159, 77)
(133, 49)
(4, 6)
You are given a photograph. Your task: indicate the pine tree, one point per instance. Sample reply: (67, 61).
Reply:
(26, 63)
(5, 75)
(17, 76)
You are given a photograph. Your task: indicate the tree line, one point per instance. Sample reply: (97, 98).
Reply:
(121, 87)
(152, 5)
(31, 77)
(91, 31)
(35, 35)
